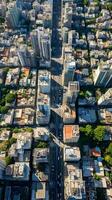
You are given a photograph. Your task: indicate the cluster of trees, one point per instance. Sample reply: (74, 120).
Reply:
(26, 129)
(41, 144)
(6, 98)
(97, 134)
(85, 2)
(5, 145)
(108, 155)
(10, 97)
(4, 109)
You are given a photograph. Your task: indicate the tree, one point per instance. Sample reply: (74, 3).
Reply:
(4, 145)
(89, 130)
(82, 129)
(99, 133)
(12, 141)
(8, 160)
(109, 149)
(41, 144)
(2, 20)
(85, 2)
(16, 130)
(10, 97)
(4, 109)
(108, 155)
(97, 177)
(108, 159)
(28, 129)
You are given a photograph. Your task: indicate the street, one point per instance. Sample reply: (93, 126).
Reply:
(56, 150)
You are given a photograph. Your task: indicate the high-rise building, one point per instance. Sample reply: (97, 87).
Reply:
(69, 70)
(45, 47)
(2, 9)
(70, 96)
(43, 97)
(26, 57)
(35, 41)
(41, 42)
(73, 91)
(12, 16)
(67, 14)
(103, 75)
(106, 99)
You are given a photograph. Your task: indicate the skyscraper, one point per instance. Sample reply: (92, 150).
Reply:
(103, 75)
(106, 99)
(68, 73)
(35, 41)
(12, 16)
(41, 42)
(26, 57)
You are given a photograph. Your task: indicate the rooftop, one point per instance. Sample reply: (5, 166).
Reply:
(72, 154)
(71, 133)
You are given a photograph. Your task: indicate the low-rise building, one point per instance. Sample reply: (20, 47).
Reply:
(105, 115)
(69, 115)
(74, 186)
(71, 133)
(24, 116)
(40, 155)
(39, 191)
(20, 150)
(71, 154)
(17, 171)
(41, 133)
(4, 134)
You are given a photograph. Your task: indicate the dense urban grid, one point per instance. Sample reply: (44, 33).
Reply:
(56, 100)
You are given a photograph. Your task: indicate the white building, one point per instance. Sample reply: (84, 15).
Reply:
(106, 99)
(43, 97)
(103, 75)
(72, 154)
(74, 186)
(44, 81)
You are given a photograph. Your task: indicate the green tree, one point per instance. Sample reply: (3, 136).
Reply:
(108, 155)
(12, 141)
(8, 160)
(82, 129)
(109, 149)
(4, 109)
(28, 129)
(4, 145)
(108, 159)
(97, 177)
(85, 2)
(16, 130)
(41, 144)
(10, 97)
(89, 130)
(99, 133)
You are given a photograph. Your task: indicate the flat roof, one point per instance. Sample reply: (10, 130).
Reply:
(68, 131)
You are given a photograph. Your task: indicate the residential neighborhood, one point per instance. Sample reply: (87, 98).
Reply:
(55, 100)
